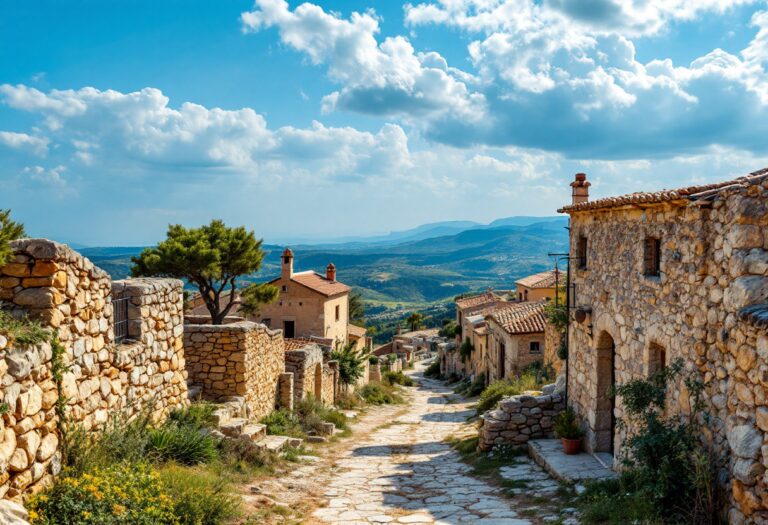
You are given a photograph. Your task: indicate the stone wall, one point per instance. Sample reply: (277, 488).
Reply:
(552, 340)
(330, 386)
(704, 307)
(306, 364)
(239, 359)
(520, 418)
(374, 372)
(53, 284)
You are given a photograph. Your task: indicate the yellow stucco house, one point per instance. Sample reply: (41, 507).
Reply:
(539, 286)
(310, 305)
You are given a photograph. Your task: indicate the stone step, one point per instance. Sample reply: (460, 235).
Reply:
(221, 416)
(234, 427)
(295, 442)
(273, 443)
(254, 432)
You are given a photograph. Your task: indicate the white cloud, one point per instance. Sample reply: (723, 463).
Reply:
(22, 141)
(385, 78)
(142, 129)
(51, 178)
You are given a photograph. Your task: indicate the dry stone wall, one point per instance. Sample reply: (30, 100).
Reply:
(705, 307)
(306, 364)
(239, 359)
(65, 292)
(520, 418)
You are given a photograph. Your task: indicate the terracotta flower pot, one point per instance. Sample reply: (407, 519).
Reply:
(571, 446)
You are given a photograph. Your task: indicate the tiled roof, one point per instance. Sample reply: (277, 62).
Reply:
(297, 343)
(357, 331)
(690, 192)
(477, 300)
(485, 309)
(521, 318)
(319, 283)
(546, 279)
(428, 332)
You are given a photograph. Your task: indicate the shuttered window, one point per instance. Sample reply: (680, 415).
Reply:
(582, 252)
(652, 256)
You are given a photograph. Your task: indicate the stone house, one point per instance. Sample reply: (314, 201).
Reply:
(676, 274)
(470, 318)
(516, 336)
(310, 304)
(539, 286)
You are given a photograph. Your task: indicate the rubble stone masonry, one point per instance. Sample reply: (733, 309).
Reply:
(239, 359)
(65, 292)
(706, 306)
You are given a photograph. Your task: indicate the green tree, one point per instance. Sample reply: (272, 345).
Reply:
(9, 230)
(449, 329)
(415, 321)
(351, 363)
(211, 257)
(356, 308)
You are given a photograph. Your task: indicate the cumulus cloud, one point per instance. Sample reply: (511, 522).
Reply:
(52, 178)
(383, 78)
(142, 129)
(22, 141)
(560, 75)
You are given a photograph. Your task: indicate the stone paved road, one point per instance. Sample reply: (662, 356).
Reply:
(404, 472)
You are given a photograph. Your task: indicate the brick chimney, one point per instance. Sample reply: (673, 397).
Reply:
(580, 189)
(287, 265)
(330, 272)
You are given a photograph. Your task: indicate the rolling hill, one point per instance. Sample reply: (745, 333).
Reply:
(406, 268)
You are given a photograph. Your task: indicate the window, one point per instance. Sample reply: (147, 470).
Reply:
(267, 322)
(535, 347)
(502, 360)
(289, 329)
(657, 359)
(652, 257)
(285, 288)
(338, 312)
(581, 252)
(286, 260)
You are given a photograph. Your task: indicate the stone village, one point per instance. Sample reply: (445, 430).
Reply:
(652, 278)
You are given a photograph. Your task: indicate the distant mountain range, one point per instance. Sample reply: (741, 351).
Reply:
(430, 263)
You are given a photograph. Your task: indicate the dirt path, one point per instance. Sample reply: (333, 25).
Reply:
(397, 468)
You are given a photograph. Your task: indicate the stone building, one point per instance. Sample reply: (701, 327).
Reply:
(677, 274)
(310, 304)
(122, 348)
(470, 317)
(539, 286)
(515, 338)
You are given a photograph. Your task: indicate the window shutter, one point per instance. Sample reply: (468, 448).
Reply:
(648, 256)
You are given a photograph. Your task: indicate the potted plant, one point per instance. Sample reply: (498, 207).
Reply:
(569, 431)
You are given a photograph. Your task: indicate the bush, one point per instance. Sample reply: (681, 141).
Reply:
(433, 370)
(282, 422)
(22, 332)
(376, 393)
(472, 389)
(449, 330)
(200, 497)
(311, 412)
(349, 401)
(123, 494)
(498, 390)
(351, 363)
(197, 415)
(398, 378)
(466, 349)
(184, 444)
(372, 359)
(665, 464)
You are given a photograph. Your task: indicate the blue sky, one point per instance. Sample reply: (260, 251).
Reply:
(335, 118)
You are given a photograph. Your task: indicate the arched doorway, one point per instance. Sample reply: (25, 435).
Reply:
(319, 381)
(605, 418)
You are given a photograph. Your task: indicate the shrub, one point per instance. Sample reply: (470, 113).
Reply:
(197, 415)
(376, 393)
(349, 401)
(372, 359)
(391, 358)
(398, 378)
(351, 364)
(123, 494)
(200, 497)
(665, 464)
(473, 388)
(466, 349)
(311, 412)
(433, 370)
(22, 332)
(184, 444)
(567, 425)
(498, 390)
(9, 230)
(450, 329)
(282, 422)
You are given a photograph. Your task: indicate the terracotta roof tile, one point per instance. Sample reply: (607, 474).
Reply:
(297, 343)
(521, 318)
(690, 192)
(546, 279)
(319, 283)
(427, 332)
(357, 331)
(477, 300)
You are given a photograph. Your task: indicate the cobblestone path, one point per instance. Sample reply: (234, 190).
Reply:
(404, 472)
